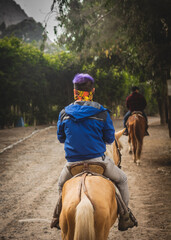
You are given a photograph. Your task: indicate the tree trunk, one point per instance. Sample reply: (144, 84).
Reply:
(162, 112)
(169, 113)
(162, 101)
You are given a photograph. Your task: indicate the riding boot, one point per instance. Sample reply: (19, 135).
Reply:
(56, 214)
(127, 221)
(126, 217)
(126, 132)
(146, 132)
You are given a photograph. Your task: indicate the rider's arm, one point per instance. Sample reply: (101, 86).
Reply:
(127, 102)
(108, 131)
(144, 103)
(60, 130)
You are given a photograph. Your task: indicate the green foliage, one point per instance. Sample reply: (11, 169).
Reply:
(112, 85)
(134, 35)
(32, 82)
(36, 86)
(91, 26)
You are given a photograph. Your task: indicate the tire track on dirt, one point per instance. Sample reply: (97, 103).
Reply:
(25, 138)
(28, 187)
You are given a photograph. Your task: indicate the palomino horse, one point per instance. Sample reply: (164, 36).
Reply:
(136, 125)
(89, 206)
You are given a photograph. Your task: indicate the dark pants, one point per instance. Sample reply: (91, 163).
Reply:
(128, 114)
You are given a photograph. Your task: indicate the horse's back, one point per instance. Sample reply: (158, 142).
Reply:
(137, 125)
(101, 193)
(98, 189)
(136, 118)
(136, 131)
(99, 186)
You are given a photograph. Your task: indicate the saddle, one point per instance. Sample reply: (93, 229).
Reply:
(93, 167)
(137, 112)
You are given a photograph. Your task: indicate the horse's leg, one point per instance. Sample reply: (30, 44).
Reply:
(134, 144)
(103, 224)
(139, 150)
(67, 225)
(102, 234)
(130, 145)
(140, 135)
(64, 227)
(135, 150)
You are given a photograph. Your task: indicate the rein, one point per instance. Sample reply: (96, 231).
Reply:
(82, 185)
(120, 155)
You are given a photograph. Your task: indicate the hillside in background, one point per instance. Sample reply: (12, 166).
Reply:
(28, 30)
(11, 13)
(15, 22)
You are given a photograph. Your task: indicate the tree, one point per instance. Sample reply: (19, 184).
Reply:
(147, 24)
(33, 84)
(141, 27)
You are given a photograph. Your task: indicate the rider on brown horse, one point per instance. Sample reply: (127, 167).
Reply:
(85, 127)
(135, 102)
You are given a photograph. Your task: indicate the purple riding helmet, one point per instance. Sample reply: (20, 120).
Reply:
(82, 78)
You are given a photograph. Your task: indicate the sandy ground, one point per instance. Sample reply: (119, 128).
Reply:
(29, 172)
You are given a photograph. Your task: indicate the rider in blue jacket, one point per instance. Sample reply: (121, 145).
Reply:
(79, 125)
(85, 127)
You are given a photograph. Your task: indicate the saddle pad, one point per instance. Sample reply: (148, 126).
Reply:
(90, 167)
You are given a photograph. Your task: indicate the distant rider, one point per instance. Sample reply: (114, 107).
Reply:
(135, 102)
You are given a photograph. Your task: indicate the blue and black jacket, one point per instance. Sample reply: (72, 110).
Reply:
(85, 127)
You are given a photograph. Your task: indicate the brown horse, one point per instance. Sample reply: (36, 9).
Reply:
(136, 125)
(89, 206)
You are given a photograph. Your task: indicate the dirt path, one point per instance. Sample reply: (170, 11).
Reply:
(29, 173)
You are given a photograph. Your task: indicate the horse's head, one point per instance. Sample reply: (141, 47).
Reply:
(117, 146)
(113, 151)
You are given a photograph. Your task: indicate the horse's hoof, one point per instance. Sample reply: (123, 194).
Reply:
(138, 162)
(130, 152)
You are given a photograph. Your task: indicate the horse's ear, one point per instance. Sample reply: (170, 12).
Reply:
(120, 133)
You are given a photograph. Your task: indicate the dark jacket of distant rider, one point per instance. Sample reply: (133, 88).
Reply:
(136, 102)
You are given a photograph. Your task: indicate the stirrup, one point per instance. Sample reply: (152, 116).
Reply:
(127, 221)
(55, 223)
(132, 217)
(146, 133)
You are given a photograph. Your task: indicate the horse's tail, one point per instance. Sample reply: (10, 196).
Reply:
(84, 220)
(138, 130)
(139, 137)
(133, 136)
